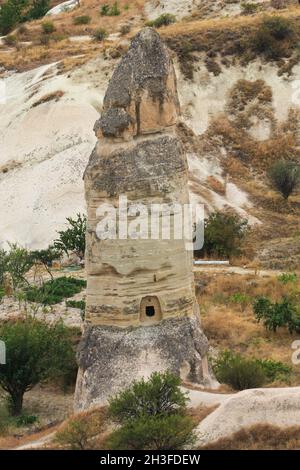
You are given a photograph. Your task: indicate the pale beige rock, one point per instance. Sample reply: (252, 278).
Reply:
(274, 406)
(141, 311)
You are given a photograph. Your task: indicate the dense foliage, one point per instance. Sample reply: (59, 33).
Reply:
(13, 12)
(223, 234)
(35, 351)
(152, 415)
(278, 314)
(72, 240)
(284, 177)
(54, 291)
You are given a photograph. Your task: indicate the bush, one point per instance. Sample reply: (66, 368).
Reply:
(278, 314)
(285, 177)
(163, 20)
(38, 9)
(152, 414)
(73, 238)
(48, 27)
(55, 291)
(223, 234)
(76, 304)
(35, 351)
(125, 29)
(274, 370)
(249, 8)
(270, 35)
(77, 433)
(100, 34)
(26, 420)
(17, 262)
(154, 433)
(278, 27)
(85, 19)
(238, 372)
(160, 395)
(286, 278)
(107, 10)
(10, 15)
(240, 299)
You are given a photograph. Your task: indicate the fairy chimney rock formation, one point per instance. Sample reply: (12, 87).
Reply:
(141, 311)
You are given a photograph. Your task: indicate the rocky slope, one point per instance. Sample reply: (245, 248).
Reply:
(46, 132)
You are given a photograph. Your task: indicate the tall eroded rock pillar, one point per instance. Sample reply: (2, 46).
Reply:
(141, 311)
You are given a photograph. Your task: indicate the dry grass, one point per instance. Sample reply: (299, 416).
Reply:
(54, 96)
(231, 325)
(259, 437)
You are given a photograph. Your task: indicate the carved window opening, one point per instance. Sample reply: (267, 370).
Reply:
(150, 309)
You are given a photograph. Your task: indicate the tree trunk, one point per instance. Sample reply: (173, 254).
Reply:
(16, 404)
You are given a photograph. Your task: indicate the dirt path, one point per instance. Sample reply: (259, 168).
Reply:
(238, 270)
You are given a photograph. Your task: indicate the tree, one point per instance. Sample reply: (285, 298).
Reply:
(73, 238)
(38, 9)
(152, 415)
(18, 262)
(223, 234)
(35, 351)
(46, 257)
(154, 433)
(285, 177)
(160, 395)
(10, 15)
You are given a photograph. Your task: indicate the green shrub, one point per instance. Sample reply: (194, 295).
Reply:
(274, 370)
(17, 261)
(278, 314)
(152, 414)
(278, 27)
(84, 19)
(154, 433)
(284, 177)
(107, 10)
(163, 20)
(48, 27)
(10, 15)
(286, 278)
(223, 234)
(55, 291)
(269, 38)
(72, 240)
(26, 420)
(125, 29)
(240, 299)
(238, 372)
(76, 304)
(35, 351)
(38, 9)
(75, 435)
(249, 8)
(160, 395)
(100, 34)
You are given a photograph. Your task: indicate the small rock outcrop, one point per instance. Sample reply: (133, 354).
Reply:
(141, 311)
(273, 406)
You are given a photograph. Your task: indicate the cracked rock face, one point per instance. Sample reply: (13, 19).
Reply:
(141, 310)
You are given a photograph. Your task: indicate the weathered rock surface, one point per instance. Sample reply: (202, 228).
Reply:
(274, 406)
(141, 311)
(110, 358)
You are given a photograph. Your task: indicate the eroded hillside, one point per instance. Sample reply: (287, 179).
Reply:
(240, 113)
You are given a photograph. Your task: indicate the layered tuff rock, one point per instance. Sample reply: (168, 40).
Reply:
(141, 310)
(110, 358)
